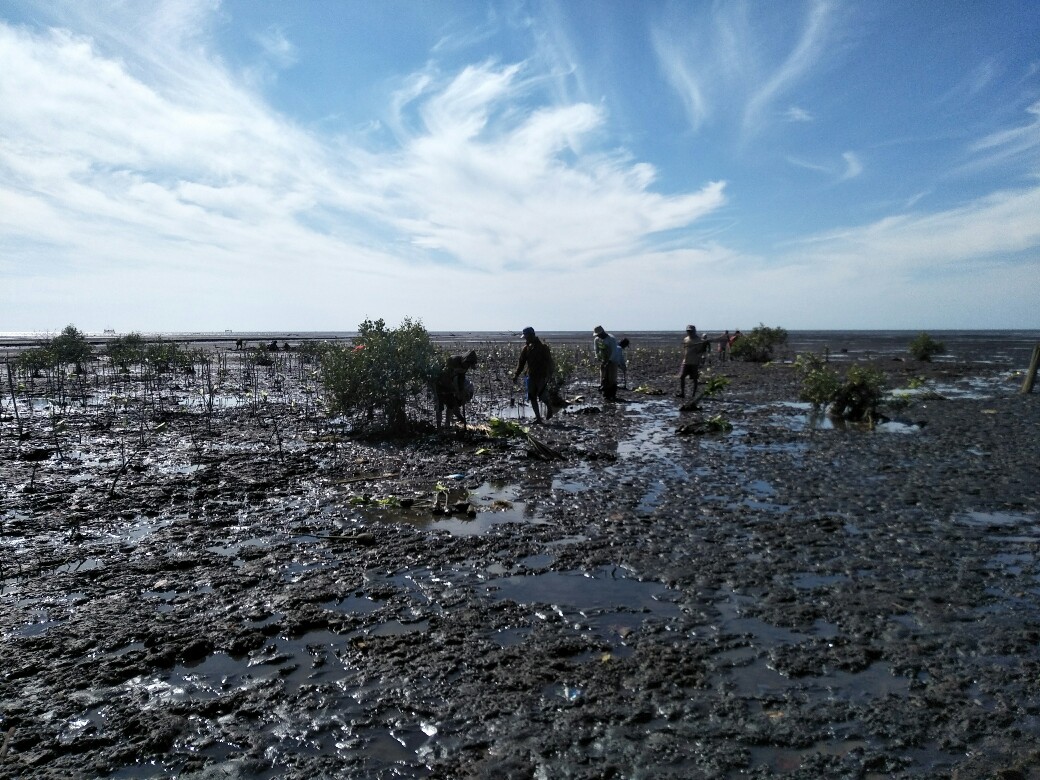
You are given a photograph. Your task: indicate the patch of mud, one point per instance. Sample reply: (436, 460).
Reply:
(242, 588)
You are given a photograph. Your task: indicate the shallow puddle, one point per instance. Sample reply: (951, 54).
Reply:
(812, 581)
(607, 592)
(1000, 520)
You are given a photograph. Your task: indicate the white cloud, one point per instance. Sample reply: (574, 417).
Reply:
(853, 166)
(797, 114)
(994, 228)
(279, 48)
(114, 165)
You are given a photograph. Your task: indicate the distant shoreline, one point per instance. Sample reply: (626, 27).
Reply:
(1005, 347)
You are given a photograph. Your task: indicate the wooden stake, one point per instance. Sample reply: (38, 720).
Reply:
(7, 742)
(1027, 386)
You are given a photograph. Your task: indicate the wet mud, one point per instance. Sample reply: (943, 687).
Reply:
(248, 590)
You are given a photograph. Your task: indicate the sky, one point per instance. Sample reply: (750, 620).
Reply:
(202, 165)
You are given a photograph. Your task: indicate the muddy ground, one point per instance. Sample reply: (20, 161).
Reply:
(248, 590)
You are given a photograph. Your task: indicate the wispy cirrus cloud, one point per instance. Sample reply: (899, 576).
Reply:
(720, 56)
(850, 167)
(1021, 141)
(809, 48)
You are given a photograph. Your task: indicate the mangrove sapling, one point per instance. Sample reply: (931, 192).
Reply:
(277, 435)
(126, 460)
(854, 397)
(860, 394)
(195, 438)
(819, 384)
(711, 387)
(58, 425)
(34, 458)
(208, 394)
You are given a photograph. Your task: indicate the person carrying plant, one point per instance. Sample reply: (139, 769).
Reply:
(537, 359)
(606, 354)
(694, 351)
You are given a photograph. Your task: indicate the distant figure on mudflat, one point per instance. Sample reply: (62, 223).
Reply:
(695, 349)
(536, 358)
(723, 347)
(452, 390)
(606, 354)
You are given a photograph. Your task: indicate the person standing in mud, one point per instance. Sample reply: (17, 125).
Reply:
(723, 347)
(694, 351)
(606, 354)
(537, 359)
(452, 391)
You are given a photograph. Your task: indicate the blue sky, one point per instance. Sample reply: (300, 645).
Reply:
(255, 165)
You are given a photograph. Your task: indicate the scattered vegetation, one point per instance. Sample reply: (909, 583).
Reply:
(69, 348)
(713, 386)
(715, 424)
(166, 356)
(34, 360)
(647, 390)
(924, 347)
(126, 351)
(499, 428)
(759, 345)
(820, 384)
(718, 424)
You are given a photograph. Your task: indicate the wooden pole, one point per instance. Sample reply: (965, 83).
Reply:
(1027, 386)
(14, 397)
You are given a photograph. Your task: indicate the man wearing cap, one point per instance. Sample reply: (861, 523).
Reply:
(694, 351)
(606, 354)
(537, 359)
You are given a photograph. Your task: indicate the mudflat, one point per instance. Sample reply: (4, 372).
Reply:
(220, 580)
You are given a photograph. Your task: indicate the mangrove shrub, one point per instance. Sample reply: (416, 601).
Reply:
(384, 371)
(924, 347)
(758, 345)
(854, 396)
